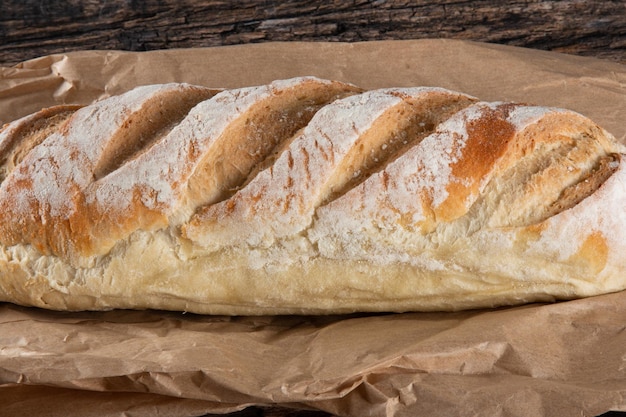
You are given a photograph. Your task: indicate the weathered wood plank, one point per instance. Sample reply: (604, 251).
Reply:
(33, 28)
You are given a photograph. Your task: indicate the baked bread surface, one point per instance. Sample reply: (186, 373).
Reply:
(307, 196)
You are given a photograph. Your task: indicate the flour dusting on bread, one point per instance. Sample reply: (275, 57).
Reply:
(307, 196)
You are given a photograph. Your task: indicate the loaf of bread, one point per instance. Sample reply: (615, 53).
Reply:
(307, 196)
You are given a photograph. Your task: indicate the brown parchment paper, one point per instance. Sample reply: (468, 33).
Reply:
(559, 359)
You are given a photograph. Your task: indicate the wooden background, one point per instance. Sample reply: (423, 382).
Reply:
(32, 28)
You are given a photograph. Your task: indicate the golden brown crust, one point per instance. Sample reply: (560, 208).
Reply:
(307, 195)
(46, 190)
(142, 132)
(345, 142)
(18, 138)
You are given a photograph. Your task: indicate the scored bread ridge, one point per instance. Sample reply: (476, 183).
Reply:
(133, 177)
(19, 137)
(307, 196)
(45, 190)
(342, 141)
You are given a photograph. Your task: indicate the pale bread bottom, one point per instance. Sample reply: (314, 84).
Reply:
(149, 272)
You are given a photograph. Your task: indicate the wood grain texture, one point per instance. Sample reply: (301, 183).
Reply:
(29, 28)
(32, 28)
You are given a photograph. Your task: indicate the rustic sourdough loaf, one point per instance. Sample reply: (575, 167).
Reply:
(307, 196)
